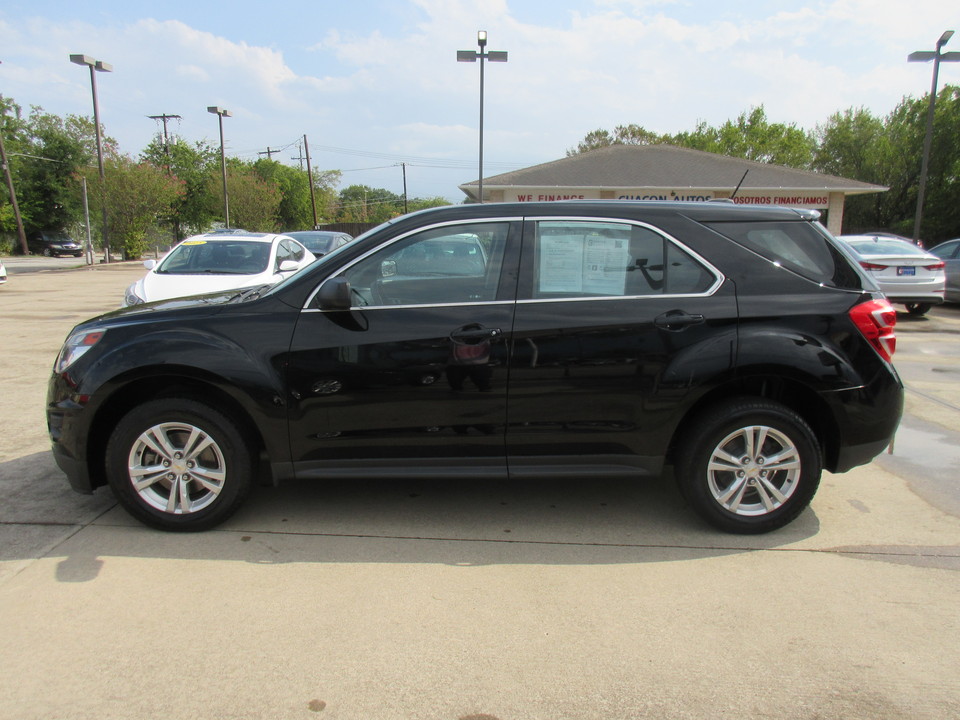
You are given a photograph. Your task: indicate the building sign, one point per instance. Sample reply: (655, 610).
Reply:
(811, 199)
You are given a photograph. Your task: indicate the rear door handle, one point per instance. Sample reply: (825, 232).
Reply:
(677, 320)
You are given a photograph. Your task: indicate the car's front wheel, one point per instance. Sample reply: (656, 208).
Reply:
(178, 464)
(749, 465)
(918, 308)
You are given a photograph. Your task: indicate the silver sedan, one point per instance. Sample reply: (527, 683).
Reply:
(906, 273)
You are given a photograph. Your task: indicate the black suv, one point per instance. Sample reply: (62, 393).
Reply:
(744, 346)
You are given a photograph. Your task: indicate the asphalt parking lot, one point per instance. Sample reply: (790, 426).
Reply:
(470, 601)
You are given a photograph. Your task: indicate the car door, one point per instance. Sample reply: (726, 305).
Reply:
(616, 328)
(412, 378)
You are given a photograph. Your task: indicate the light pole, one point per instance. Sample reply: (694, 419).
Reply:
(937, 57)
(95, 67)
(222, 113)
(473, 56)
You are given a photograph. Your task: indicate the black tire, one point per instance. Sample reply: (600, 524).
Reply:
(918, 308)
(47, 252)
(731, 486)
(191, 490)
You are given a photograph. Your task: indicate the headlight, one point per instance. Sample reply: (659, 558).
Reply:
(75, 347)
(130, 297)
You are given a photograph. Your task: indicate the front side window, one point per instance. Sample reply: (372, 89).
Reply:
(579, 259)
(451, 264)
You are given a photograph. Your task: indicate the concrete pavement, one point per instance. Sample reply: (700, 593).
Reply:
(466, 600)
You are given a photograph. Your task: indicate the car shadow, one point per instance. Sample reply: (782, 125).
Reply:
(434, 521)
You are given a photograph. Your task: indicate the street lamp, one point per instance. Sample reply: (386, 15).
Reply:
(222, 113)
(937, 57)
(473, 56)
(95, 67)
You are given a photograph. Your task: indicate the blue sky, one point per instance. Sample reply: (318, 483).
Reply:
(375, 83)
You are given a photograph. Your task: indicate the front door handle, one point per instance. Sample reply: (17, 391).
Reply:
(677, 320)
(473, 333)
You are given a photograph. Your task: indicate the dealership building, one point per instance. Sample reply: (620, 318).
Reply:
(666, 172)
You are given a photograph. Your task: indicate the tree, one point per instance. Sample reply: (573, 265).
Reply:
(622, 135)
(254, 202)
(195, 209)
(360, 203)
(136, 195)
(751, 136)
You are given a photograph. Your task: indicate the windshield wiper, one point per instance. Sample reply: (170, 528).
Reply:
(248, 294)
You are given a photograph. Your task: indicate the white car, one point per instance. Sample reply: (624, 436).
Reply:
(216, 262)
(3, 273)
(905, 273)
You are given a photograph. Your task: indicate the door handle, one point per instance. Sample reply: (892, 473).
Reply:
(677, 320)
(474, 334)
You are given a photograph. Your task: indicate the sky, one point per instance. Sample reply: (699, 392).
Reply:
(376, 88)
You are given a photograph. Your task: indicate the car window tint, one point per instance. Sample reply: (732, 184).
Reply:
(602, 259)
(455, 264)
(798, 246)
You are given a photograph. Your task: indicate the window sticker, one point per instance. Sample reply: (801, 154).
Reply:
(586, 258)
(561, 263)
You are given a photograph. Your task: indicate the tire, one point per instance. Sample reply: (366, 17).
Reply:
(732, 487)
(918, 308)
(189, 490)
(47, 252)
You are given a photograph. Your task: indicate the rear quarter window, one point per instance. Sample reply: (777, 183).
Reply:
(797, 246)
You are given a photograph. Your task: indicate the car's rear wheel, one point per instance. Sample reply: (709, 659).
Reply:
(47, 252)
(177, 464)
(918, 308)
(749, 465)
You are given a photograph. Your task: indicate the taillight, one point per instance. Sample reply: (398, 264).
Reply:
(875, 319)
(871, 266)
(936, 266)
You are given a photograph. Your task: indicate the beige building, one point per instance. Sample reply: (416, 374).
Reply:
(666, 172)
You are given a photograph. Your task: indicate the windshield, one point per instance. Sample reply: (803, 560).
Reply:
(217, 257)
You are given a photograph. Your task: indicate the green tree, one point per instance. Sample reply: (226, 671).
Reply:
(195, 208)
(254, 202)
(136, 196)
(360, 203)
(622, 135)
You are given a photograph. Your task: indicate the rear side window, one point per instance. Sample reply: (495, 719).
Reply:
(583, 259)
(797, 246)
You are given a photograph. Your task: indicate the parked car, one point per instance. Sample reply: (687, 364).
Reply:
(3, 273)
(216, 262)
(743, 346)
(905, 273)
(320, 242)
(949, 252)
(52, 243)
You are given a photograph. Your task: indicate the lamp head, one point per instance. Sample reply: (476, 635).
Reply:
(482, 38)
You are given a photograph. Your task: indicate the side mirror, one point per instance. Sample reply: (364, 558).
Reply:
(150, 264)
(334, 294)
(288, 266)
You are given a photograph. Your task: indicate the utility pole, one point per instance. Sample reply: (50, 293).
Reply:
(300, 157)
(164, 117)
(404, 166)
(268, 152)
(166, 151)
(313, 197)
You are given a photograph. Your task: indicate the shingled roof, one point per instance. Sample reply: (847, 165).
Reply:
(666, 166)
